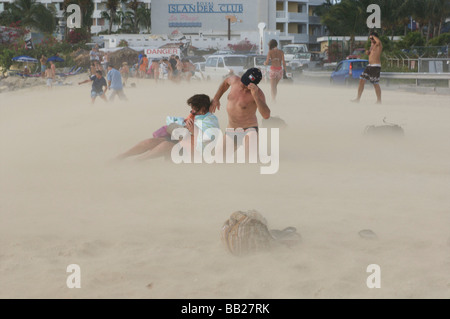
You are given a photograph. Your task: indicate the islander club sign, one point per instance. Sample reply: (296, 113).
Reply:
(206, 7)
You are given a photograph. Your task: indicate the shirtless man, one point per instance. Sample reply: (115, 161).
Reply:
(278, 67)
(53, 69)
(372, 71)
(50, 77)
(43, 61)
(244, 99)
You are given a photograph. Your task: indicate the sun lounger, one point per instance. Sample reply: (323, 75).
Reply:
(71, 72)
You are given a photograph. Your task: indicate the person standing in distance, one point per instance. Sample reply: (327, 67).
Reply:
(373, 70)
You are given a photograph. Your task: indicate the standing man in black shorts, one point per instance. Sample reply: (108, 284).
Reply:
(372, 71)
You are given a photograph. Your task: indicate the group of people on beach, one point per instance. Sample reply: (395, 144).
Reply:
(245, 98)
(172, 68)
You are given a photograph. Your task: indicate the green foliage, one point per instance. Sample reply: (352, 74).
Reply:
(48, 47)
(411, 39)
(123, 43)
(30, 14)
(7, 55)
(388, 45)
(443, 39)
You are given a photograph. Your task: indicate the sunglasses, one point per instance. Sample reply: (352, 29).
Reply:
(193, 112)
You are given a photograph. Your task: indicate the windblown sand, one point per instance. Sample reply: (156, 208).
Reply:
(152, 229)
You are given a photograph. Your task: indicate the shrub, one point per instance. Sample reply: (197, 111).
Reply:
(411, 39)
(78, 35)
(123, 43)
(443, 39)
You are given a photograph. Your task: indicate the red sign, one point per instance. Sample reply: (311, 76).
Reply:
(159, 53)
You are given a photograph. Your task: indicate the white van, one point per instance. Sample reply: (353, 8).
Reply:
(217, 67)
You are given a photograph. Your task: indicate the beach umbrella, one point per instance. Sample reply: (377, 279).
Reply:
(55, 58)
(24, 58)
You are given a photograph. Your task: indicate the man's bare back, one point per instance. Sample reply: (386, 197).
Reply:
(243, 102)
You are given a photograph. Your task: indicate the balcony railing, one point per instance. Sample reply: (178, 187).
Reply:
(297, 17)
(314, 20)
(296, 37)
(281, 14)
(315, 2)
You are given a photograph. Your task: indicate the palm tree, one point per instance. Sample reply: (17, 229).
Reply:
(442, 12)
(393, 17)
(144, 18)
(134, 6)
(111, 10)
(344, 18)
(428, 13)
(30, 14)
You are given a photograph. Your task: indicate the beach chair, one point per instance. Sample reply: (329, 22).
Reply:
(66, 73)
(77, 71)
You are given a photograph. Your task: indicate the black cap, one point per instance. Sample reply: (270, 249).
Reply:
(253, 75)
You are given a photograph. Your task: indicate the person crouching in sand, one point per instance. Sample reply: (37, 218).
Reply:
(199, 119)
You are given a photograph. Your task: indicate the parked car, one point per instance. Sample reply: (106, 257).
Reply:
(257, 61)
(199, 71)
(307, 60)
(348, 71)
(356, 54)
(217, 67)
(290, 50)
(196, 58)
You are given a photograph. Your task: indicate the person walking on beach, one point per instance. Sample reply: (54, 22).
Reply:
(143, 66)
(53, 68)
(94, 54)
(179, 67)
(188, 69)
(372, 71)
(155, 70)
(125, 72)
(105, 61)
(115, 84)
(43, 61)
(49, 76)
(98, 83)
(173, 67)
(277, 69)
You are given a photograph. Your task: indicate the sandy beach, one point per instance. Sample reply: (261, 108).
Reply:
(152, 229)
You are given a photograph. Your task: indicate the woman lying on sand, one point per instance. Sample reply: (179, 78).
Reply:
(199, 119)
